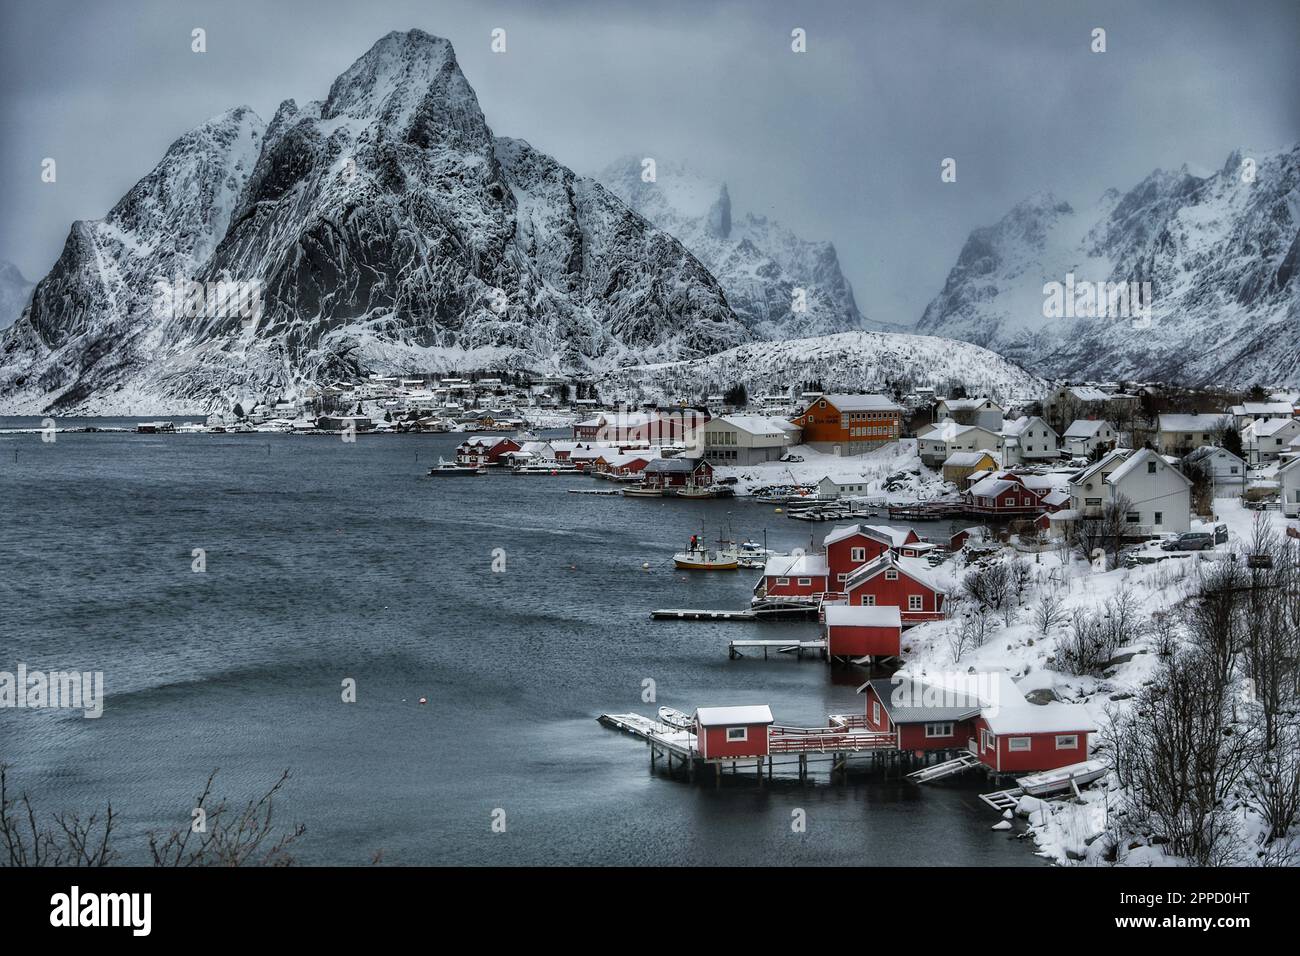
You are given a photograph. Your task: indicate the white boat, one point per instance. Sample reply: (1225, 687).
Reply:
(545, 467)
(643, 491)
(694, 491)
(702, 559)
(675, 718)
(445, 469)
(1052, 781)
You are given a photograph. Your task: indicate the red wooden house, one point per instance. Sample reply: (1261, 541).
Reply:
(904, 583)
(618, 465)
(732, 733)
(984, 713)
(856, 632)
(852, 546)
(484, 450)
(1005, 495)
(677, 472)
(921, 716)
(800, 577)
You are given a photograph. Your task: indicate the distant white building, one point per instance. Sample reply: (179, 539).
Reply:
(940, 440)
(1180, 434)
(1084, 436)
(1158, 495)
(1026, 439)
(1247, 412)
(1227, 472)
(745, 439)
(1266, 439)
(971, 411)
(1288, 479)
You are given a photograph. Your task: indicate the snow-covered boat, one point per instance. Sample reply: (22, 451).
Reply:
(675, 718)
(446, 469)
(1052, 781)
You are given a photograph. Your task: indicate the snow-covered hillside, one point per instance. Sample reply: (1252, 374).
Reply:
(389, 230)
(847, 362)
(758, 261)
(1222, 254)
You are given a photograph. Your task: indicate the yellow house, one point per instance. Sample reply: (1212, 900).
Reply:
(960, 465)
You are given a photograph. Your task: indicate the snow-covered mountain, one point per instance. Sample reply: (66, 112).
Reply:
(845, 362)
(1221, 252)
(15, 291)
(758, 261)
(385, 227)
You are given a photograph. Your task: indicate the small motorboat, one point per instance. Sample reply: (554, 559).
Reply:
(446, 469)
(675, 718)
(695, 491)
(546, 467)
(1054, 781)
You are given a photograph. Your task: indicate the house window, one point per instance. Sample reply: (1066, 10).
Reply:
(1010, 502)
(782, 581)
(1151, 468)
(1159, 518)
(891, 575)
(1020, 743)
(805, 582)
(939, 730)
(858, 554)
(914, 602)
(1232, 469)
(875, 712)
(842, 577)
(987, 740)
(1132, 517)
(1067, 742)
(737, 733)
(868, 600)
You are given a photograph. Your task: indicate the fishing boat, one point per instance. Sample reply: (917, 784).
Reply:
(696, 557)
(1052, 781)
(445, 469)
(694, 491)
(643, 491)
(675, 718)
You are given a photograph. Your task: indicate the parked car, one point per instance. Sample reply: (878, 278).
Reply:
(1190, 541)
(794, 458)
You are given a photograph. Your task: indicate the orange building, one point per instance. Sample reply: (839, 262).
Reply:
(854, 423)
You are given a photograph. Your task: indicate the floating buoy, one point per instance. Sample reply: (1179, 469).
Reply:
(424, 700)
(777, 510)
(645, 565)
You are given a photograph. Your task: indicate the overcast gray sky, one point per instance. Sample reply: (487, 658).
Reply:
(843, 142)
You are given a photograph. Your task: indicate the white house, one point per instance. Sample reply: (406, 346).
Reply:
(940, 440)
(1159, 495)
(1085, 435)
(830, 489)
(1247, 412)
(1028, 438)
(1227, 472)
(1265, 439)
(1288, 479)
(1180, 434)
(971, 411)
(744, 439)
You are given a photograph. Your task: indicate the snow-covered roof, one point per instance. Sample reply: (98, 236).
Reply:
(918, 569)
(949, 430)
(1209, 451)
(908, 700)
(795, 566)
(895, 536)
(1267, 427)
(968, 404)
(1084, 428)
(1195, 422)
(992, 486)
(860, 403)
(734, 716)
(1055, 498)
(1137, 460)
(1014, 429)
(1106, 461)
(850, 615)
(754, 424)
(965, 459)
(1262, 409)
(1086, 393)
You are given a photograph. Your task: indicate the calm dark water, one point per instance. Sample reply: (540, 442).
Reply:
(328, 561)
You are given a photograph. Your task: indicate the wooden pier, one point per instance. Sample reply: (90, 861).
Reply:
(700, 614)
(797, 648)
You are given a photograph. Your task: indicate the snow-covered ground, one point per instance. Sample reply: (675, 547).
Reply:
(893, 472)
(1064, 830)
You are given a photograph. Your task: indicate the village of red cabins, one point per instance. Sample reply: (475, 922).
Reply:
(870, 583)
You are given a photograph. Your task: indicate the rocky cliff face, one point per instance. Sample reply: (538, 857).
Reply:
(385, 228)
(1221, 253)
(758, 261)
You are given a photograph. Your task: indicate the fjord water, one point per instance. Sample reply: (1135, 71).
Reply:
(327, 560)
